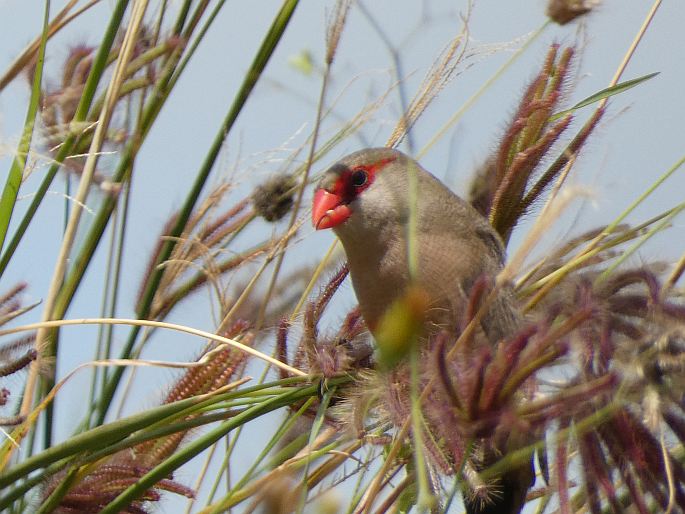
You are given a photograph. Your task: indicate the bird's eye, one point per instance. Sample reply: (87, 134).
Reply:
(359, 178)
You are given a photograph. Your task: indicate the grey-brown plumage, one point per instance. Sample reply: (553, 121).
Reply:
(364, 198)
(456, 245)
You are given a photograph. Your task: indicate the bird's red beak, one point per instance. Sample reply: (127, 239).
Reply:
(328, 210)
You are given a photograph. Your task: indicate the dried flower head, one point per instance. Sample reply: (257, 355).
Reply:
(512, 180)
(274, 198)
(60, 102)
(17, 354)
(565, 11)
(110, 477)
(330, 355)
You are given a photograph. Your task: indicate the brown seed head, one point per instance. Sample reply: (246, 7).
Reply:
(565, 11)
(274, 198)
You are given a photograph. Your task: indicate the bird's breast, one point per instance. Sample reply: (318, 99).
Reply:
(380, 275)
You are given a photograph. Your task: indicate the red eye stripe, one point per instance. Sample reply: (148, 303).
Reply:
(345, 187)
(377, 166)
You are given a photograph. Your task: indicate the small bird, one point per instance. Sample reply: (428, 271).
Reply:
(365, 199)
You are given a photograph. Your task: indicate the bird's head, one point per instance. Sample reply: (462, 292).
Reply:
(343, 183)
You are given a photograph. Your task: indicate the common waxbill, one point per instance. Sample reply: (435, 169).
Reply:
(364, 198)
